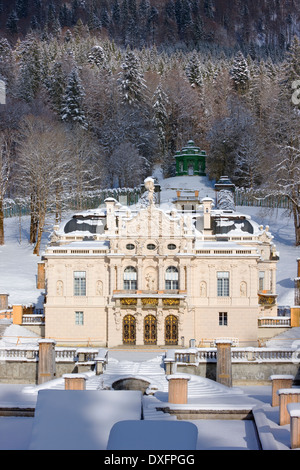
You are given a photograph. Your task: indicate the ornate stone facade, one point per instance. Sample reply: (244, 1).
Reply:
(146, 276)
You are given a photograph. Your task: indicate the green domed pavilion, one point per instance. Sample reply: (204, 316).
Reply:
(190, 160)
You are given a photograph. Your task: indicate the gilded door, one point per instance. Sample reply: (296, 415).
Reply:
(171, 330)
(150, 336)
(129, 329)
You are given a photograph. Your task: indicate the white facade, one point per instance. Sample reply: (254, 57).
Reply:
(148, 276)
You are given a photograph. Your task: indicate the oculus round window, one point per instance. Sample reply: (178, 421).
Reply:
(130, 246)
(171, 246)
(151, 246)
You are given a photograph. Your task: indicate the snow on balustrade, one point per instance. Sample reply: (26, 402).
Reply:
(249, 354)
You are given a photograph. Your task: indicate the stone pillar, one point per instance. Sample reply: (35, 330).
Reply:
(75, 381)
(224, 367)
(46, 368)
(17, 314)
(278, 382)
(3, 301)
(40, 283)
(294, 412)
(178, 388)
(286, 396)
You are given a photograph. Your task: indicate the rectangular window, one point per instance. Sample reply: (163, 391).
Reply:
(79, 283)
(78, 318)
(261, 280)
(223, 284)
(223, 320)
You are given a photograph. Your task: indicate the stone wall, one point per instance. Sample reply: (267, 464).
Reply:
(244, 373)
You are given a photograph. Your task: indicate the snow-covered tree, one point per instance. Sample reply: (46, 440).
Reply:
(29, 81)
(193, 71)
(132, 85)
(287, 180)
(160, 118)
(56, 85)
(97, 56)
(240, 73)
(127, 166)
(5, 172)
(72, 111)
(44, 167)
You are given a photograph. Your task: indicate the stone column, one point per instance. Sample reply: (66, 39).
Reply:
(224, 367)
(41, 276)
(286, 396)
(294, 412)
(178, 388)
(75, 381)
(46, 368)
(278, 382)
(17, 314)
(3, 301)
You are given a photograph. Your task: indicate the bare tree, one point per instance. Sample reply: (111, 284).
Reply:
(5, 171)
(44, 167)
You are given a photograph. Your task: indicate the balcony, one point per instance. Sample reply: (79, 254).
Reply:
(149, 299)
(273, 322)
(267, 299)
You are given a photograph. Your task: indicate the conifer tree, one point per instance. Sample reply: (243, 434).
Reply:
(56, 85)
(292, 64)
(160, 118)
(193, 71)
(30, 68)
(131, 81)
(240, 74)
(12, 22)
(72, 104)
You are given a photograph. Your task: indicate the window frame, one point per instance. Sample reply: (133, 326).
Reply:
(79, 283)
(261, 280)
(79, 318)
(171, 278)
(223, 284)
(130, 278)
(223, 318)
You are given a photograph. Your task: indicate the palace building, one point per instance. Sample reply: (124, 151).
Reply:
(144, 275)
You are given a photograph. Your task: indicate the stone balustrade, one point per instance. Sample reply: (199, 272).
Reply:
(198, 355)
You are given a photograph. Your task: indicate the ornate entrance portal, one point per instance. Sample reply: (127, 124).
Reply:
(171, 330)
(150, 336)
(129, 329)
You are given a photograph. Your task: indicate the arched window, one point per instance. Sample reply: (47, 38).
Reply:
(130, 278)
(171, 278)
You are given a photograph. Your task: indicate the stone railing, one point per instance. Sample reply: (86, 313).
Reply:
(62, 354)
(272, 322)
(33, 319)
(196, 356)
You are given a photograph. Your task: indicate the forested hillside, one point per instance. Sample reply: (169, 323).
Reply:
(97, 92)
(181, 23)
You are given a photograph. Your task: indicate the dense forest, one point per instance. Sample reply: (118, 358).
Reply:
(97, 92)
